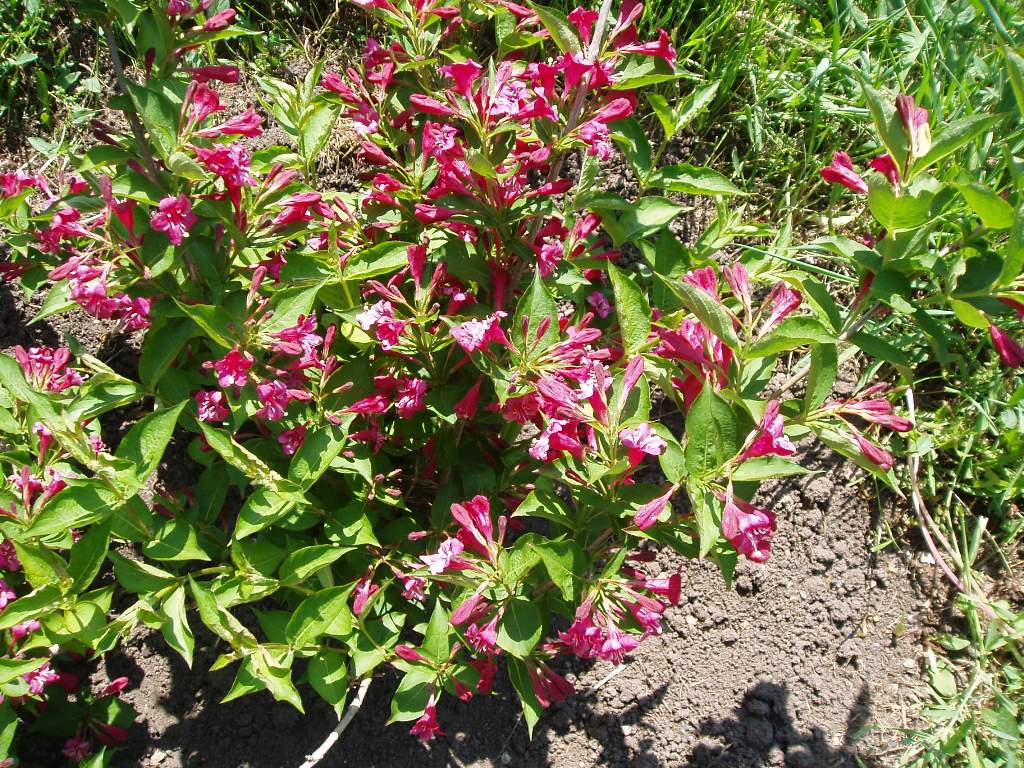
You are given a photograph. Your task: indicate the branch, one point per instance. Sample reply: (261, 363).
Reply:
(133, 118)
(353, 708)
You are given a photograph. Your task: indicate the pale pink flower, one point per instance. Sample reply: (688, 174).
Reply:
(641, 440)
(476, 334)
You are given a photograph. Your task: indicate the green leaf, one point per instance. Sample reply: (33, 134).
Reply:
(276, 677)
(954, 136)
(412, 695)
(632, 309)
(219, 620)
(566, 563)
(437, 640)
(263, 507)
(791, 333)
(329, 677)
(326, 610)
(159, 109)
(705, 506)
(647, 217)
(709, 310)
(303, 563)
(546, 505)
(249, 464)
(175, 541)
(316, 130)
(43, 566)
(520, 627)
(175, 628)
(632, 140)
(87, 557)
(12, 669)
(535, 305)
(663, 112)
(994, 212)
(765, 467)
(1015, 68)
(644, 70)
(562, 32)
(519, 674)
(822, 376)
(712, 433)
(692, 180)
(77, 505)
(288, 304)
(898, 213)
(215, 321)
(139, 576)
(31, 606)
(380, 259)
(969, 315)
(694, 104)
(1013, 262)
(315, 455)
(144, 446)
(162, 346)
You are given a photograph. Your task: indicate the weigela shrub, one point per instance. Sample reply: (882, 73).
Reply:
(415, 422)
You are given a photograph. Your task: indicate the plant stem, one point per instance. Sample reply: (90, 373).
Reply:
(353, 708)
(133, 118)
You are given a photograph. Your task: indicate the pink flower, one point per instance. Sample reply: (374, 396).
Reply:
(447, 555)
(204, 102)
(648, 514)
(886, 166)
(466, 407)
(705, 279)
(249, 124)
(9, 557)
(1010, 352)
(174, 218)
(7, 595)
(300, 339)
(219, 21)
(211, 405)
(748, 528)
(475, 518)
(40, 677)
(596, 136)
(408, 653)
(47, 368)
(410, 397)
(364, 590)
(476, 334)
(232, 368)
(915, 123)
(292, 439)
(230, 162)
(274, 399)
(76, 749)
(464, 74)
(768, 438)
(24, 629)
(426, 728)
(882, 458)
(483, 639)
(548, 685)
(222, 72)
(878, 411)
(431, 214)
(783, 300)
(388, 329)
(661, 48)
(548, 255)
(45, 437)
(670, 588)
(179, 7)
(429, 105)
(641, 440)
(600, 304)
(739, 283)
(115, 686)
(414, 588)
(841, 172)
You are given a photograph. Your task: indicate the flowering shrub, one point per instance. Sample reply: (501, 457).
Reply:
(418, 418)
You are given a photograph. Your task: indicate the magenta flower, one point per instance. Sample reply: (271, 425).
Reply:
(477, 531)
(47, 368)
(364, 590)
(782, 300)
(230, 162)
(179, 7)
(474, 335)
(768, 438)
(483, 639)
(447, 556)
(464, 74)
(7, 595)
(602, 307)
(886, 166)
(739, 283)
(223, 73)
(548, 685)
(24, 629)
(77, 748)
(249, 124)
(292, 439)
(642, 440)
(204, 102)
(414, 588)
(841, 172)
(872, 452)
(232, 369)
(429, 105)
(1010, 352)
(597, 137)
(748, 528)
(878, 411)
(648, 514)
(211, 405)
(174, 218)
(661, 48)
(220, 21)
(410, 397)
(466, 407)
(705, 279)
(408, 653)
(300, 339)
(9, 557)
(426, 728)
(915, 123)
(274, 398)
